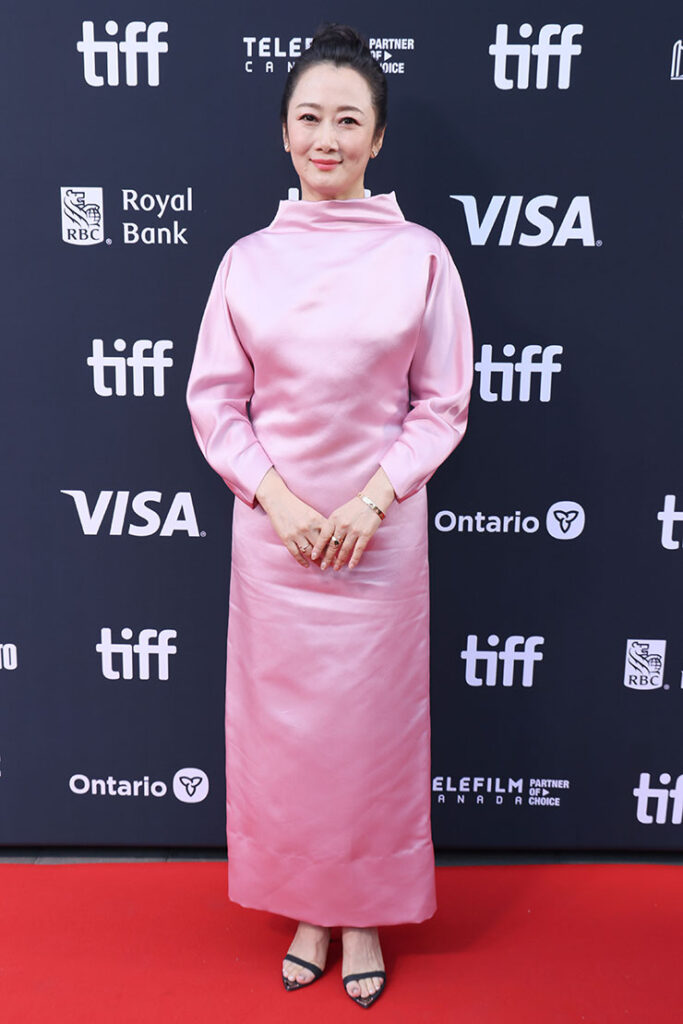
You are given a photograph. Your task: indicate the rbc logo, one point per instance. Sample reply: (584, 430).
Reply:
(131, 47)
(151, 644)
(82, 218)
(543, 50)
(138, 363)
(510, 656)
(179, 518)
(644, 669)
(577, 222)
(527, 367)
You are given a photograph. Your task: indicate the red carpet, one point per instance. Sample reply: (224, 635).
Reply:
(160, 943)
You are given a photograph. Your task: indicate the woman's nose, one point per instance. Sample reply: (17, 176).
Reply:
(327, 137)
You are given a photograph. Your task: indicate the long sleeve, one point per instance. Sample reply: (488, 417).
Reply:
(220, 385)
(440, 381)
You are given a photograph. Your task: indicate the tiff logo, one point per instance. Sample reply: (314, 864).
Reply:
(664, 798)
(510, 656)
(668, 517)
(526, 368)
(131, 47)
(543, 50)
(141, 360)
(151, 644)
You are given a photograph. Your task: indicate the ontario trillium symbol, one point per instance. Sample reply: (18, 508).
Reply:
(190, 784)
(565, 519)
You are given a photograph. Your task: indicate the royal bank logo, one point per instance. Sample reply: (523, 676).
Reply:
(644, 668)
(533, 372)
(677, 61)
(541, 56)
(518, 651)
(141, 42)
(82, 215)
(575, 224)
(564, 520)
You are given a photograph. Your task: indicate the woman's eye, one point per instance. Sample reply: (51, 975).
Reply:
(351, 120)
(305, 116)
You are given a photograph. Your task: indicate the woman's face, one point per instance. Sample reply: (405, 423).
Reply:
(330, 132)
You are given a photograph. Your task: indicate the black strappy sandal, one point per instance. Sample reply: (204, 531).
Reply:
(317, 971)
(365, 1000)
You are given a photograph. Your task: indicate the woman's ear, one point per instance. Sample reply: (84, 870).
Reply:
(377, 143)
(285, 140)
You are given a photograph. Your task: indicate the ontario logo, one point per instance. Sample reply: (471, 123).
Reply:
(82, 215)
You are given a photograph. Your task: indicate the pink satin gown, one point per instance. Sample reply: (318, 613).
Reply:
(335, 340)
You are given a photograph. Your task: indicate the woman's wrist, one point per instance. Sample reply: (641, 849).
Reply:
(271, 484)
(379, 490)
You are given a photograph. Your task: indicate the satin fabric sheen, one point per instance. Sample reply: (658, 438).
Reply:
(335, 340)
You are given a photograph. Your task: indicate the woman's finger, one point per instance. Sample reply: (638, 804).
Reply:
(345, 550)
(324, 536)
(293, 549)
(360, 547)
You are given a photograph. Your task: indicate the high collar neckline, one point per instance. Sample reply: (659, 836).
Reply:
(368, 212)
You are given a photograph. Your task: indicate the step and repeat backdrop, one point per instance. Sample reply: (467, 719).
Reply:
(542, 142)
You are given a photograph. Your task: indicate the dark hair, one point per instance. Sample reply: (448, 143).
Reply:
(343, 46)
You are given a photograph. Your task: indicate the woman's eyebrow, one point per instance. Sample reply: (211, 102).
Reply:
(317, 105)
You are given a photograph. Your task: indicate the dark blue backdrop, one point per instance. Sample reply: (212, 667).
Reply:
(542, 143)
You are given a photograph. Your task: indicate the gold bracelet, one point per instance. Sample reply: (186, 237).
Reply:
(375, 508)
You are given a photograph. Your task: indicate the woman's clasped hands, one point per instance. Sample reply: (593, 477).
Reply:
(334, 541)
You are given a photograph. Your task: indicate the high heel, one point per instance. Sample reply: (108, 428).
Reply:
(317, 971)
(365, 1001)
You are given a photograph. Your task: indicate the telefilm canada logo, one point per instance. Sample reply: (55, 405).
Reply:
(644, 667)
(564, 520)
(189, 786)
(267, 53)
(554, 43)
(141, 45)
(569, 222)
(83, 216)
(496, 790)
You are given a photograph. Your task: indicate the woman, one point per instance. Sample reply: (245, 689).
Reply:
(320, 333)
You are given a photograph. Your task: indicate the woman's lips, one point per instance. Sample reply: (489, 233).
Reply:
(325, 165)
